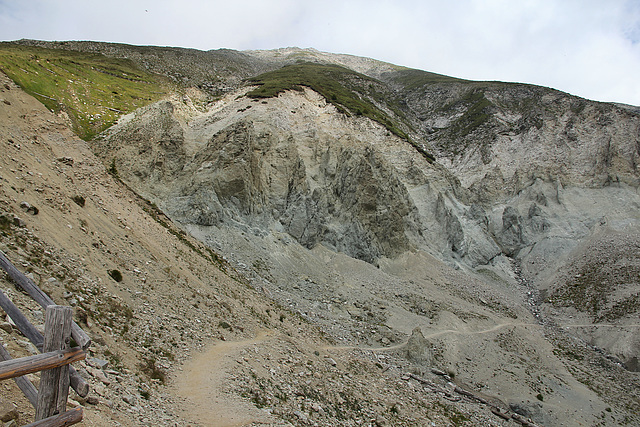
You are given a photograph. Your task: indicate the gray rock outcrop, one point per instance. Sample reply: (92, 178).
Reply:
(418, 348)
(295, 163)
(319, 182)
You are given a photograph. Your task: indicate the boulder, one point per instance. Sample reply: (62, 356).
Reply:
(418, 349)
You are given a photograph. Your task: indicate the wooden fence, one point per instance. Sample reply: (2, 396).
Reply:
(54, 361)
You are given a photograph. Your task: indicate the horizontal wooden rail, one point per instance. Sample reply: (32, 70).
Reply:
(40, 297)
(70, 417)
(27, 365)
(21, 322)
(78, 383)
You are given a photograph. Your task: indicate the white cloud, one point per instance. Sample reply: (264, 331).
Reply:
(587, 47)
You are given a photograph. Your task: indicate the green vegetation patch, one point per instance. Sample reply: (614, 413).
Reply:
(92, 89)
(476, 114)
(344, 88)
(350, 92)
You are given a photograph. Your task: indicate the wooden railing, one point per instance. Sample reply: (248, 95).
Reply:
(57, 374)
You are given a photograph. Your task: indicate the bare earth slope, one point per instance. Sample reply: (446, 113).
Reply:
(262, 181)
(173, 294)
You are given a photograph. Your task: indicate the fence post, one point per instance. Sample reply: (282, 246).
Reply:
(54, 383)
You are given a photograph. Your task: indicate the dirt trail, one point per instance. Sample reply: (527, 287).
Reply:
(205, 402)
(430, 335)
(199, 387)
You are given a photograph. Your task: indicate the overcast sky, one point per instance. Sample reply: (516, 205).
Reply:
(589, 48)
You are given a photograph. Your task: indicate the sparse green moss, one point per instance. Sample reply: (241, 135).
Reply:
(621, 308)
(114, 359)
(224, 325)
(567, 352)
(590, 289)
(475, 115)
(412, 79)
(455, 416)
(149, 368)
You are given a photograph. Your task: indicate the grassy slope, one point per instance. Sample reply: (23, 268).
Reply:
(92, 89)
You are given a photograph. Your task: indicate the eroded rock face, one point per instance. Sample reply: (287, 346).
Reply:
(253, 178)
(294, 163)
(518, 132)
(155, 148)
(321, 184)
(522, 184)
(511, 236)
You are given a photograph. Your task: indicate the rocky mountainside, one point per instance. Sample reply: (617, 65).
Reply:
(487, 231)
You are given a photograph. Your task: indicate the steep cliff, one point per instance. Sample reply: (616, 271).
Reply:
(293, 162)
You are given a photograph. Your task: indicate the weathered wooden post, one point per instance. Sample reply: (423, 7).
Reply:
(28, 330)
(54, 383)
